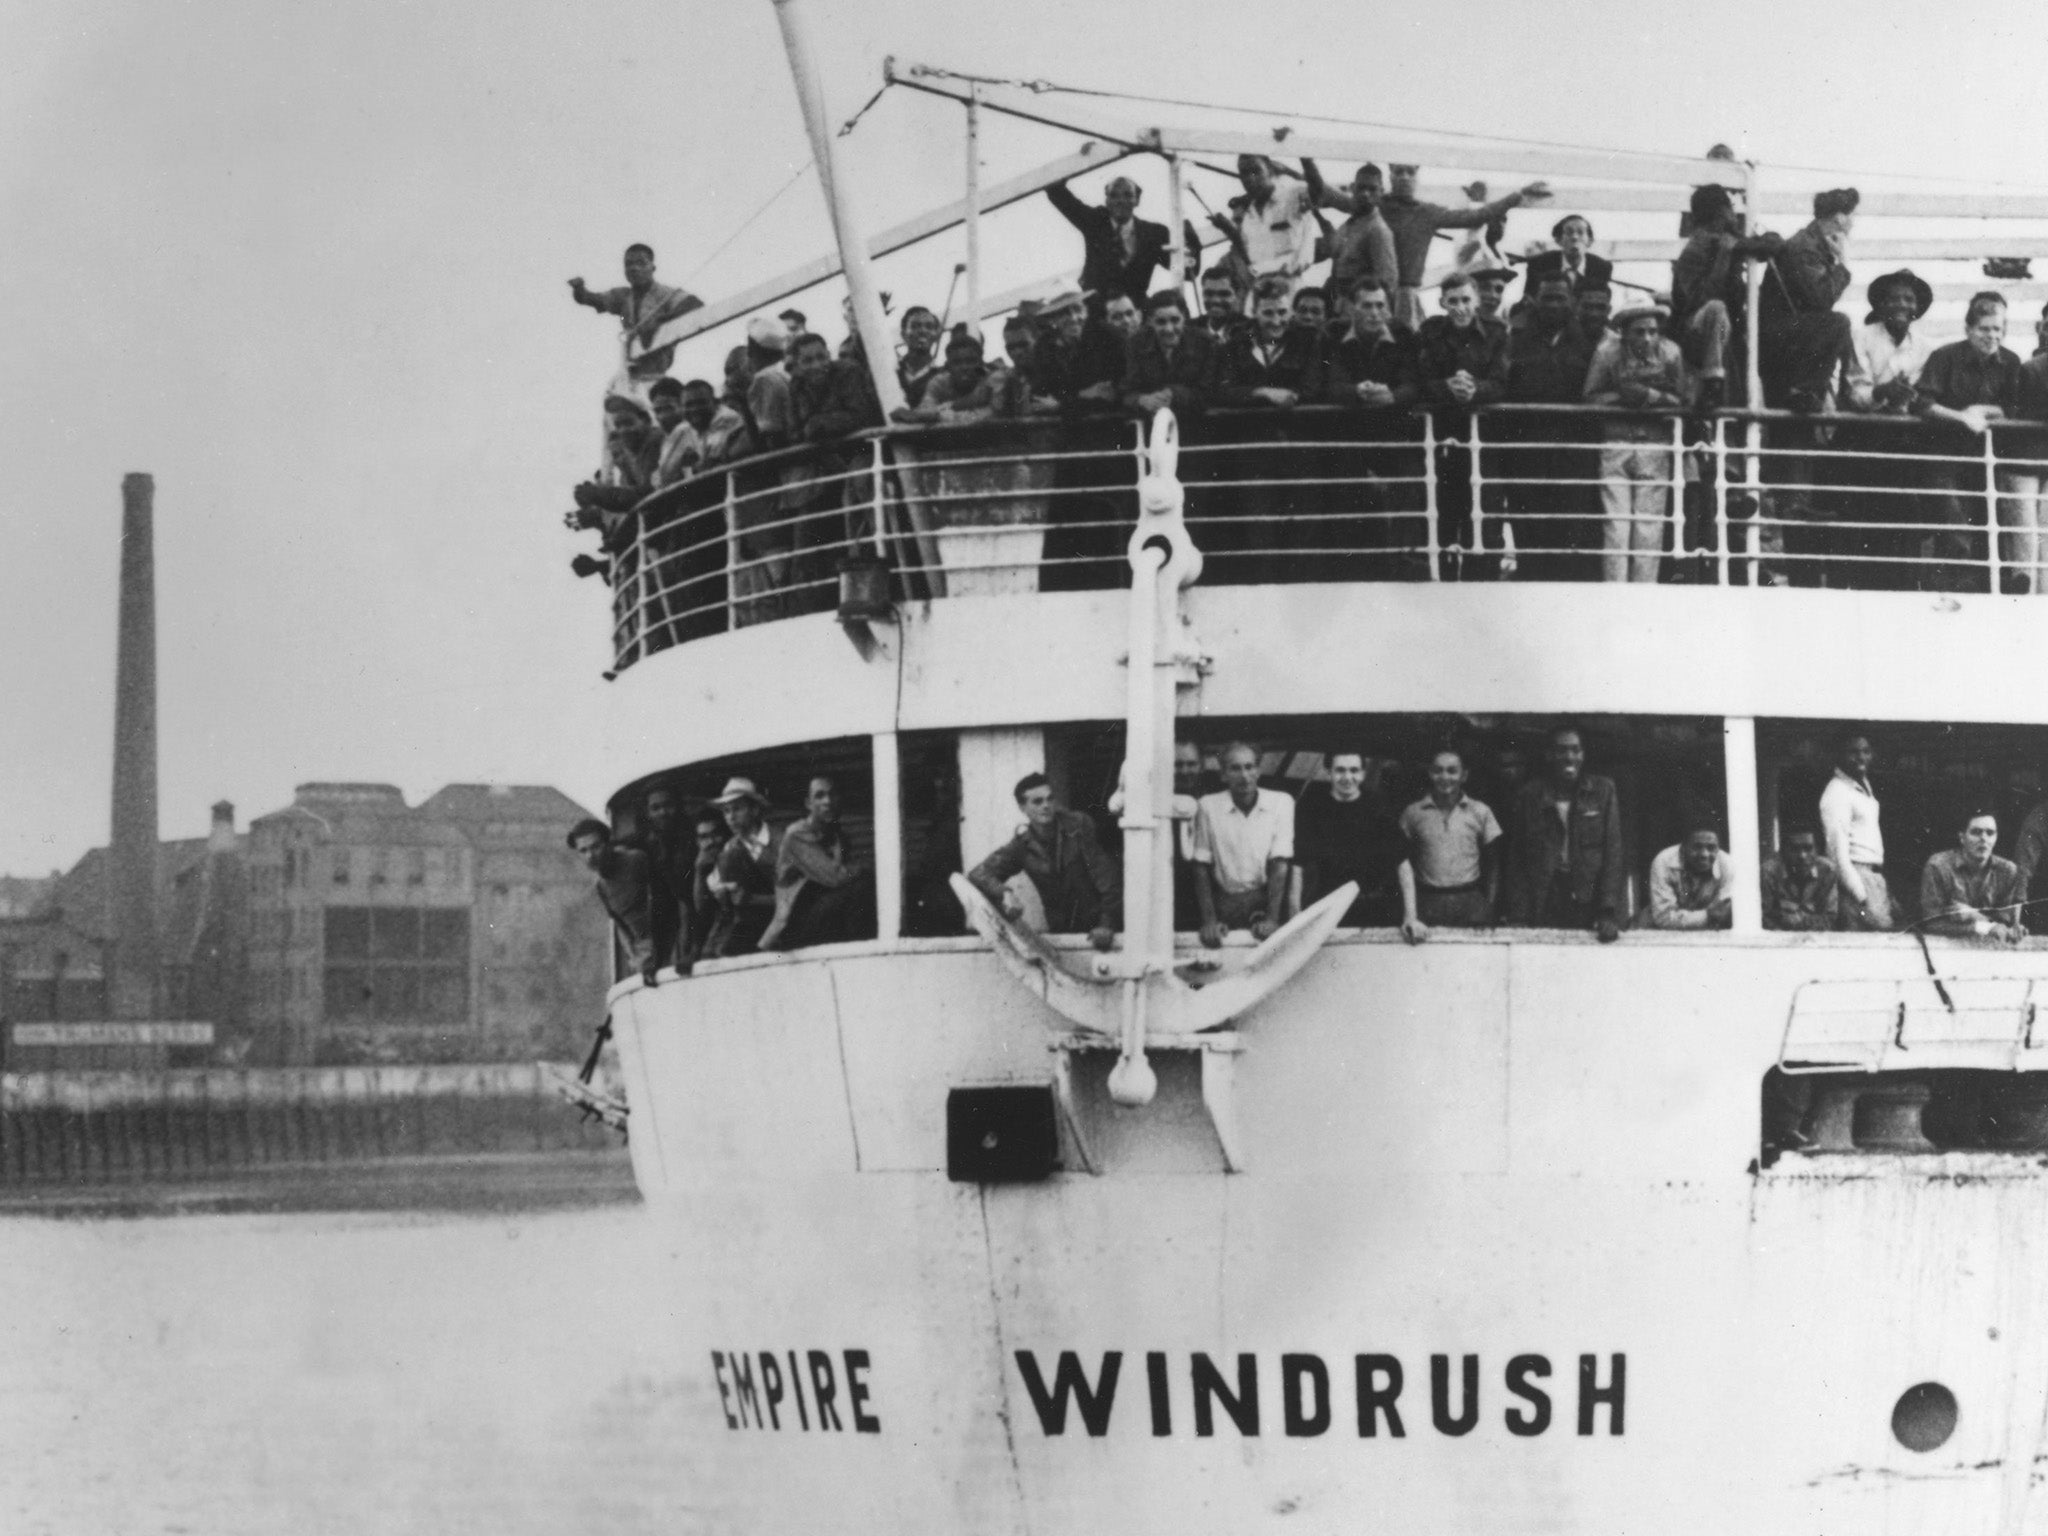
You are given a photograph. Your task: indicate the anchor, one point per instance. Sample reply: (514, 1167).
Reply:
(1136, 993)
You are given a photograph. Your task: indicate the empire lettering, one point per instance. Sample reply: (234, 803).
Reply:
(795, 1390)
(1228, 1391)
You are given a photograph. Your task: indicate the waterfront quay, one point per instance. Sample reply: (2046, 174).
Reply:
(269, 1131)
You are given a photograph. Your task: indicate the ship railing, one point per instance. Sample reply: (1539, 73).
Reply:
(1922, 1023)
(1331, 494)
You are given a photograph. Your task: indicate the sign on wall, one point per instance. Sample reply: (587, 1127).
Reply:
(170, 1033)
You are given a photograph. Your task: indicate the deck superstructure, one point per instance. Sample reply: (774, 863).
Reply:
(1486, 1233)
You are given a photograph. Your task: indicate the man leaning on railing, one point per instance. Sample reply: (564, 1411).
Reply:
(1968, 891)
(1969, 384)
(1056, 850)
(1564, 848)
(1639, 371)
(1549, 356)
(1692, 885)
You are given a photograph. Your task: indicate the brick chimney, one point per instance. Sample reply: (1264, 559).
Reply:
(132, 850)
(221, 838)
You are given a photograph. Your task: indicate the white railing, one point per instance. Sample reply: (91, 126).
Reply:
(1542, 493)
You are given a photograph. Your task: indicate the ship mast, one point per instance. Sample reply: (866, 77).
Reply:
(851, 238)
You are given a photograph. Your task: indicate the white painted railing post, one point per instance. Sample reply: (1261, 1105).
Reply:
(1478, 492)
(1720, 502)
(732, 552)
(888, 814)
(1429, 494)
(878, 471)
(1991, 508)
(1753, 484)
(1738, 768)
(1676, 514)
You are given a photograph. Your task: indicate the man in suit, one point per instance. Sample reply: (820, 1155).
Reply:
(1573, 257)
(1123, 249)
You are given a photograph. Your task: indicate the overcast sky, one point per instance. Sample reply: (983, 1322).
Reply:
(306, 265)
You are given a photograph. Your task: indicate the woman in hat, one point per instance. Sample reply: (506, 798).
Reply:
(1639, 371)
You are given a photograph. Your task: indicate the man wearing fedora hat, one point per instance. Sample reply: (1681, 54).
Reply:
(1056, 364)
(743, 883)
(1888, 352)
(1639, 371)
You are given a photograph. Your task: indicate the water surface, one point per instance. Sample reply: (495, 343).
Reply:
(460, 1372)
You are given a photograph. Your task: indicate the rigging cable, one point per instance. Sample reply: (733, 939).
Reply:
(726, 245)
(1048, 87)
(845, 128)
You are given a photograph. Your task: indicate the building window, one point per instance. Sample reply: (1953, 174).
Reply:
(416, 867)
(397, 965)
(340, 856)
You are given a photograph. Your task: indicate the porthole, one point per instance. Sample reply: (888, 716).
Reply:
(1925, 1417)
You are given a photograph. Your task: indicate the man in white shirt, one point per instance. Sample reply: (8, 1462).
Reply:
(1888, 352)
(1849, 821)
(1274, 227)
(1244, 851)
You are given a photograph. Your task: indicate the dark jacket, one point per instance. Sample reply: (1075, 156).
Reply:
(1959, 376)
(1548, 368)
(1107, 269)
(1598, 271)
(1804, 279)
(626, 888)
(1441, 349)
(1075, 879)
(747, 905)
(672, 868)
(1103, 358)
(846, 403)
(1592, 847)
(1191, 374)
(1297, 364)
(1388, 360)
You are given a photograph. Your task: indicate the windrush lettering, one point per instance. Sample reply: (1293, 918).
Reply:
(1229, 1390)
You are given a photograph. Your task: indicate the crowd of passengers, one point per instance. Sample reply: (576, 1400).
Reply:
(1267, 340)
(1248, 858)
(723, 882)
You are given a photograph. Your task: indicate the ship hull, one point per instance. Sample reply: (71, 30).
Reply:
(1499, 1257)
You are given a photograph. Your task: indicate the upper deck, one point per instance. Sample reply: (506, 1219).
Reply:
(1357, 559)
(1354, 561)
